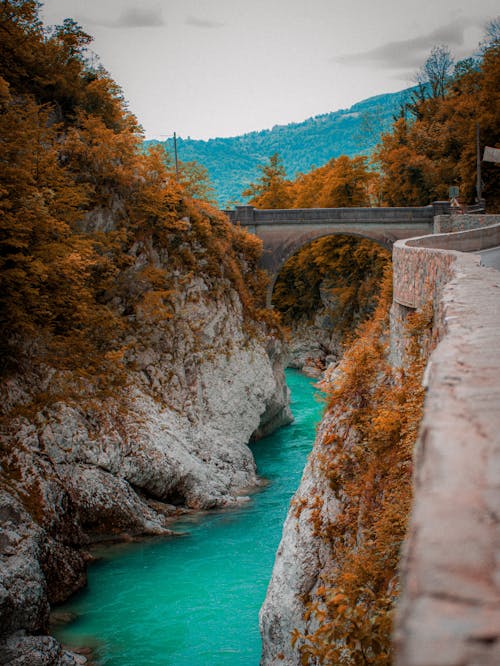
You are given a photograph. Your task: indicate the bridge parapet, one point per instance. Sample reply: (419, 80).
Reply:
(248, 216)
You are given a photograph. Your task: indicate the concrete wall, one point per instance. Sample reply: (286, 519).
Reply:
(449, 610)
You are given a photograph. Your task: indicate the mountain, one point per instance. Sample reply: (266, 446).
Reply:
(232, 163)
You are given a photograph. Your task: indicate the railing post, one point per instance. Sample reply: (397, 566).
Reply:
(245, 215)
(441, 208)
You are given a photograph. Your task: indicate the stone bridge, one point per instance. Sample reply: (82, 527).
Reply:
(285, 231)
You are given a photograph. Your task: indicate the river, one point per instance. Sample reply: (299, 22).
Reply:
(194, 600)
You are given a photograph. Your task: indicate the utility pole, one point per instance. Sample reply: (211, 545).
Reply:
(175, 153)
(479, 187)
(176, 160)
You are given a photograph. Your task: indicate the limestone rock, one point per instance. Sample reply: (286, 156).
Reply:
(177, 436)
(300, 558)
(22, 650)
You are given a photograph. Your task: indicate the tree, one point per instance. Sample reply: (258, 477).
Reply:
(342, 182)
(422, 157)
(407, 175)
(432, 79)
(436, 71)
(94, 234)
(345, 183)
(348, 268)
(272, 190)
(491, 35)
(195, 181)
(73, 39)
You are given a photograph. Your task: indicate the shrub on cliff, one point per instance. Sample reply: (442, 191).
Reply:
(366, 456)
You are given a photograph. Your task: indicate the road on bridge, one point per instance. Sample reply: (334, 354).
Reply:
(491, 257)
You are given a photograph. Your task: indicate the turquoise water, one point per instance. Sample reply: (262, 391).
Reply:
(194, 600)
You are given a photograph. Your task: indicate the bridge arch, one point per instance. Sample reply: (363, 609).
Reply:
(277, 260)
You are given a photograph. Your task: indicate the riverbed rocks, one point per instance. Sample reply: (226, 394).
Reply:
(21, 649)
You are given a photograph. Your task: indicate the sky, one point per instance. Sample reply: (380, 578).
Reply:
(213, 68)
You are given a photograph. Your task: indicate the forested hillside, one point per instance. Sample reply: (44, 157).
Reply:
(232, 163)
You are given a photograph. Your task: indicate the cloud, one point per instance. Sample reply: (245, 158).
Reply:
(409, 53)
(202, 23)
(135, 17)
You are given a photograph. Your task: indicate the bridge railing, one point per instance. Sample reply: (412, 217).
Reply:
(250, 216)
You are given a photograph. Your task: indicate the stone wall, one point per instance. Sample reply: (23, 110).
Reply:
(422, 266)
(449, 611)
(459, 222)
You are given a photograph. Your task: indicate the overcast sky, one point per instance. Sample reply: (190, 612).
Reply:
(208, 68)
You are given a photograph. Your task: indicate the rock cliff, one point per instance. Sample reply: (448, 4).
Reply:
(301, 556)
(314, 343)
(174, 438)
(334, 578)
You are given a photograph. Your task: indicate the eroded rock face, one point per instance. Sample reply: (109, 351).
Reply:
(315, 343)
(23, 650)
(300, 558)
(23, 594)
(175, 438)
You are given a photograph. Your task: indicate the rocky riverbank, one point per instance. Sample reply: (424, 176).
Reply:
(174, 438)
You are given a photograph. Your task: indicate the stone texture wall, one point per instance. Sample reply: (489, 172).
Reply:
(422, 267)
(450, 223)
(419, 274)
(449, 611)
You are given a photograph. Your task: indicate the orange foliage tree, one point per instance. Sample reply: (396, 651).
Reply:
(342, 182)
(272, 190)
(80, 202)
(349, 268)
(436, 146)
